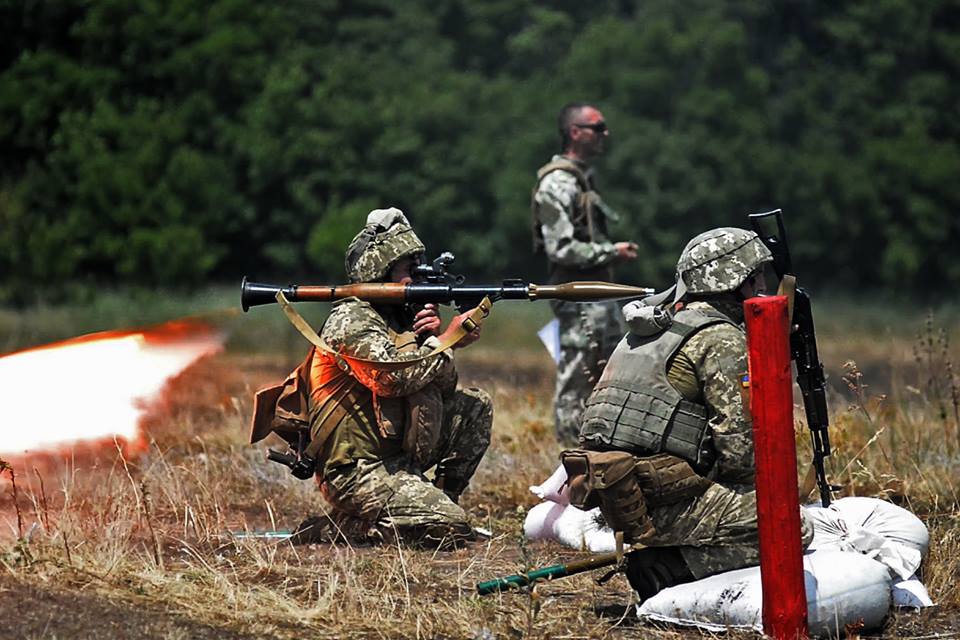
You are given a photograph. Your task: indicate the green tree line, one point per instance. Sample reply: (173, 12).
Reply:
(173, 142)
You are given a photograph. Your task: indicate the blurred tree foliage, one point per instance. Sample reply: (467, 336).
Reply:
(176, 141)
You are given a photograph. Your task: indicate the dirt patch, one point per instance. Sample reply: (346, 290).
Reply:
(29, 611)
(938, 621)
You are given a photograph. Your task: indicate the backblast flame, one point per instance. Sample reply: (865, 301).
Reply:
(92, 388)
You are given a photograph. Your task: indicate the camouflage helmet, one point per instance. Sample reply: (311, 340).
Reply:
(386, 238)
(719, 261)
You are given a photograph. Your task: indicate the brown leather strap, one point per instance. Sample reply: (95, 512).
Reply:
(788, 288)
(474, 320)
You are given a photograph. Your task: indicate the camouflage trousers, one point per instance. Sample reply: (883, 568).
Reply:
(588, 334)
(386, 500)
(716, 531)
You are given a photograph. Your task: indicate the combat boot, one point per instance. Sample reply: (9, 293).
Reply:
(334, 528)
(313, 530)
(655, 568)
(452, 487)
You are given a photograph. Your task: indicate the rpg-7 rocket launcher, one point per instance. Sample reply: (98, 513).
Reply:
(434, 283)
(803, 345)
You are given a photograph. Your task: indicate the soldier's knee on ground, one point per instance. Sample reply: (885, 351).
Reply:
(333, 528)
(427, 525)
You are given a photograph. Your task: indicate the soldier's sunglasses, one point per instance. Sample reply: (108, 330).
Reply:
(598, 127)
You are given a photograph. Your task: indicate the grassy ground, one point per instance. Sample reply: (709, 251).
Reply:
(113, 545)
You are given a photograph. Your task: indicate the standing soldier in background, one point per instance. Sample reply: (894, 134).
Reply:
(570, 227)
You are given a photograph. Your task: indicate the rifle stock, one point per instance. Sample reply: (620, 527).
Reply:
(803, 348)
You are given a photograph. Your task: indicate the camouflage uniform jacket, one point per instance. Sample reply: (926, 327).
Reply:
(710, 370)
(368, 431)
(570, 225)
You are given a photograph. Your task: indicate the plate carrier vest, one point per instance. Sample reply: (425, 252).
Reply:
(589, 222)
(634, 407)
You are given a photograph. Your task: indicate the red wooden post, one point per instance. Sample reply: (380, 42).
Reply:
(775, 451)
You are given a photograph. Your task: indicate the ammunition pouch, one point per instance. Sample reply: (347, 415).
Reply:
(284, 409)
(392, 413)
(417, 417)
(287, 411)
(625, 487)
(607, 479)
(667, 479)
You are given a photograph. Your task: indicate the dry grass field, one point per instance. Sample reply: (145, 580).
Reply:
(108, 544)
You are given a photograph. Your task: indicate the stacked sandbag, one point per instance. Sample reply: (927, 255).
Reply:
(841, 588)
(882, 531)
(864, 556)
(569, 526)
(555, 519)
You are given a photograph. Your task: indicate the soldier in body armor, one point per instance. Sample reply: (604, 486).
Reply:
(570, 228)
(666, 438)
(381, 406)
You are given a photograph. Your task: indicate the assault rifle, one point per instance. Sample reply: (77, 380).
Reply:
(803, 346)
(434, 283)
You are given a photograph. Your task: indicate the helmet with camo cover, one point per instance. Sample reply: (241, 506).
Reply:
(720, 260)
(386, 238)
(716, 261)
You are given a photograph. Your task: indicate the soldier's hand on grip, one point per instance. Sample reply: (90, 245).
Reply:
(427, 320)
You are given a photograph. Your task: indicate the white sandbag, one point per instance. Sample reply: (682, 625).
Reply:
(841, 587)
(553, 488)
(538, 525)
(911, 593)
(878, 529)
(570, 526)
